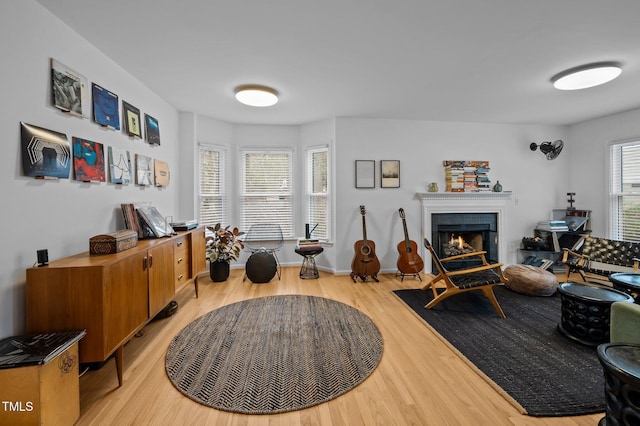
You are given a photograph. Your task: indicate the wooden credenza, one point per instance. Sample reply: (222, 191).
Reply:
(112, 296)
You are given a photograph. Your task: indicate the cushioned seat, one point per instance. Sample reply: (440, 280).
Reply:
(530, 280)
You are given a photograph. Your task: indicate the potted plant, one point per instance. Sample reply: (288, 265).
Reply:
(223, 246)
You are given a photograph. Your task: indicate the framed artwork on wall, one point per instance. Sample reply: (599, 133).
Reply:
(88, 160)
(131, 115)
(390, 173)
(119, 166)
(144, 170)
(365, 174)
(161, 173)
(106, 110)
(151, 130)
(70, 90)
(45, 153)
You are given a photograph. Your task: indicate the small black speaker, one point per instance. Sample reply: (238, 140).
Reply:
(43, 257)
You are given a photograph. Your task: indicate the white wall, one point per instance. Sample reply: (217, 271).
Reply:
(589, 162)
(538, 185)
(62, 215)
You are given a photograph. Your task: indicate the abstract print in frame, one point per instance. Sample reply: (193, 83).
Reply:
(88, 160)
(144, 170)
(45, 153)
(132, 125)
(152, 130)
(105, 107)
(70, 90)
(119, 166)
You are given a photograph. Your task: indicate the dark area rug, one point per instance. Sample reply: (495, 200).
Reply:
(542, 372)
(274, 354)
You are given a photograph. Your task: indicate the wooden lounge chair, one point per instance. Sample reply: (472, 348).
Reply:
(482, 277)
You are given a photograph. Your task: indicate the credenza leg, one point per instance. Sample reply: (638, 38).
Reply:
(195, 284)
(119, 357)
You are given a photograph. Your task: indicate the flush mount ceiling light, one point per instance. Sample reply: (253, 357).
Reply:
(255, 95)
(586, 76)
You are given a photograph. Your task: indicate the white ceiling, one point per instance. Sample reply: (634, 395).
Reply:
(445, 60)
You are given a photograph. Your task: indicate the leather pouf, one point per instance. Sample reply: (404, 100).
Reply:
(261, 267)
(530, 280)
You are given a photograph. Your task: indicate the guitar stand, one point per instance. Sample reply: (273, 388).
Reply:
(355, 277)
(402, 275)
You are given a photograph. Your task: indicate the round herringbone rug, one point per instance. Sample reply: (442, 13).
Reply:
(274, 354)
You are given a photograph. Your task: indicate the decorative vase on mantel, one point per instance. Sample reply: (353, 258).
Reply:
(497, 187)
(219, 270)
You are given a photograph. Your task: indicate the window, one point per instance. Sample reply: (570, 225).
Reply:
(212, 186)
(625, 191)
(266, 189)
(318, 192)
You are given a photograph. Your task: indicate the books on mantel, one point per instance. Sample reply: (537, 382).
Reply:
(467, 176)
(308, 244)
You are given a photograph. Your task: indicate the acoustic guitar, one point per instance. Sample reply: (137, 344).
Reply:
(365, 263)
(409, 261)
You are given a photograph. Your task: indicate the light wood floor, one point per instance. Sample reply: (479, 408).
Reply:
(419, 380)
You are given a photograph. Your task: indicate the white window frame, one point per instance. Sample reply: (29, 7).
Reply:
(223, 214)
(309, 191)
(287, 222)
(621, 190)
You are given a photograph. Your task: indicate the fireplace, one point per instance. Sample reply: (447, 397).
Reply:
(483, 230)
(458, 233)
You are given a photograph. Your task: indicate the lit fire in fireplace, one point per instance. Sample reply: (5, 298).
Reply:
(457, 245)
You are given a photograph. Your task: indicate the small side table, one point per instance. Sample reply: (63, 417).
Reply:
(621, 365)
(627, 282)
(40, 373)
(309, 271)
(586, 312)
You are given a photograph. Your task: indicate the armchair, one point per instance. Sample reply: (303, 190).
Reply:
(482, 278)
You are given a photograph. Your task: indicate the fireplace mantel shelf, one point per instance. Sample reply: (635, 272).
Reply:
(464, 195)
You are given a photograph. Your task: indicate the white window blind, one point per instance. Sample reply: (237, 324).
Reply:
(267, 189)
(318, 192)
(625, 191)
(212, 191)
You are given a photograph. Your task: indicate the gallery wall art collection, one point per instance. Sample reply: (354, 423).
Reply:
(48, 154)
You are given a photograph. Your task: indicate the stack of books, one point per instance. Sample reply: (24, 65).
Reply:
(454, 176)
(466, 176)
(308, 244)
(184, 225)
(538, 262)
(553, 225)
(484, 183)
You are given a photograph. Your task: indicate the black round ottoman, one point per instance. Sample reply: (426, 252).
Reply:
(586, 311)
(261, 267)
(621, 365)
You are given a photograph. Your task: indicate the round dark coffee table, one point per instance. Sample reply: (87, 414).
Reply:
(621, 365)
(627, 282)
(586, 311)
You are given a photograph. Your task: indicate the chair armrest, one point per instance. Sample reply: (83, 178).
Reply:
(566, 253)
(462, 256)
